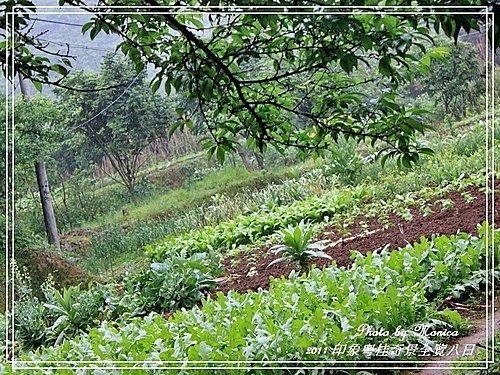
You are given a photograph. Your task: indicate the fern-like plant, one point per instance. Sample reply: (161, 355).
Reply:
(296, 247)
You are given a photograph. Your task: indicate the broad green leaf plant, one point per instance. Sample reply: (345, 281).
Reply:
(296, 247)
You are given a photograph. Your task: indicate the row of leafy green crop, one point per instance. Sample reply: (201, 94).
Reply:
(347, 167)
(324, 308)
(453, 166)
(178, 280)
(233, 194)
(338, 205)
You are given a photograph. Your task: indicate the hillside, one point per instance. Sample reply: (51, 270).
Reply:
(62, 33)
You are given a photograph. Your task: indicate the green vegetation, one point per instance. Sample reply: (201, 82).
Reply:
(184, 265)
(322, 130)
(176, 212)
(207, 184)
(456, 82)
(59, 315)
(260, 80)
(394, 192)
(323, 308)
(111, 135)
(170, 285)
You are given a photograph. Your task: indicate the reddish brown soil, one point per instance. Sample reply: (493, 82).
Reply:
(251, 271)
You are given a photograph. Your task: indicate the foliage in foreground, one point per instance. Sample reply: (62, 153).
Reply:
(321, 309)
(180, 275)
(58, 315)
(175, 283)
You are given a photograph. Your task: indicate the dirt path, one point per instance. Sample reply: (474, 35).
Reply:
(251, 272)
(477, 335)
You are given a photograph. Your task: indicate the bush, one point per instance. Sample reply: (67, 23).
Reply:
(58, 315)
(456, 82)
(72, 311)
(29, 318)
(174, 283)
(345, 162)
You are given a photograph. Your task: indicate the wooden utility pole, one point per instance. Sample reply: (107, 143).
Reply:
(46, 199)
(43, 187)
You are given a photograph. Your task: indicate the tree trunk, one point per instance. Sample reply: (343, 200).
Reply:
(244, 158)
(46, 199)
(260, 160)
(129, 180)
(23, 87)
(131, 193)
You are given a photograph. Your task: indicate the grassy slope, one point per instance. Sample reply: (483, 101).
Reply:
(215, 182)
(227, 180)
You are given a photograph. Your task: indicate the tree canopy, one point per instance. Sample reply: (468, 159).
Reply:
(277, 79)
(456, 82)
(115, 123)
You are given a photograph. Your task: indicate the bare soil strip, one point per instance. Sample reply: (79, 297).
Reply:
(250, 271)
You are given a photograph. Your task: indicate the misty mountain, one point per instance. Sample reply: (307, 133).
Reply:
(60, 29)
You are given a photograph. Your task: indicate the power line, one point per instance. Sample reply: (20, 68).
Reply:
(107, 107)
(59, 22)
(80, 46)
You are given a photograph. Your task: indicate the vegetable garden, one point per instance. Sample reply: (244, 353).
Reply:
(218, 293)
(307, 191)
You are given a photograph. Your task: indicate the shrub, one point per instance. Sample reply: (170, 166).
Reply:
(72, 311)
(58, 315)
